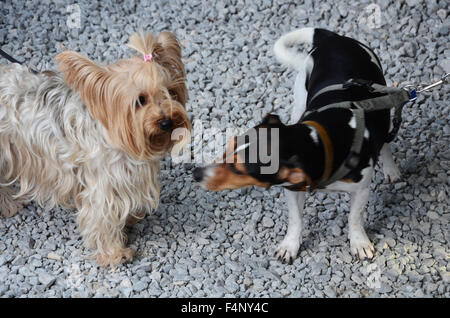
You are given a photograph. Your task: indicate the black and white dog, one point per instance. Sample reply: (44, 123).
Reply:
(315, 146)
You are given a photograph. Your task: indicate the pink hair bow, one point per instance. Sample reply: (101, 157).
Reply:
(148, 57)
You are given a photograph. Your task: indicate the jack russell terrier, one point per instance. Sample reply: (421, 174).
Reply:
(331, 145)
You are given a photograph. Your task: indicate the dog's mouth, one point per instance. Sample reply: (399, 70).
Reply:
(167, 132)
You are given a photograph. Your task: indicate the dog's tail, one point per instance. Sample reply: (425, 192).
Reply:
(288, 56)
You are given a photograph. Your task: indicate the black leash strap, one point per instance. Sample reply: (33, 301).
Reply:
(13, 60)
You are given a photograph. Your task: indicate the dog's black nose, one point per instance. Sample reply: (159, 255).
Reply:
(198, 174)
(166, 124)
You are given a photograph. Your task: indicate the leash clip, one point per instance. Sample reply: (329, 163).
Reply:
(444, 79)
(413, 90)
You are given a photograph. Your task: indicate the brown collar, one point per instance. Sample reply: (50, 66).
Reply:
(328, 149)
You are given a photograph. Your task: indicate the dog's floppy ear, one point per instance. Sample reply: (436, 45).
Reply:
(86, 77)
(293, 175)
(292, 171)
(271, 119)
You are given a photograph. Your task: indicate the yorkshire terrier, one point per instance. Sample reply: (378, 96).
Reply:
(92, 137)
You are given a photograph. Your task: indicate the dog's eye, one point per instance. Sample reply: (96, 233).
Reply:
(172, 93)
(141, 101)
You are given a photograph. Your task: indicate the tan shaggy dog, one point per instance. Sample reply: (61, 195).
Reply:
(92, 137)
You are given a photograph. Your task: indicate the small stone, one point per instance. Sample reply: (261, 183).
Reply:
(329, 292)
(219, 236)
(140, 286)
(442, 13)
(157, 229)
(444, 30)
(445, 276)
(267, 222)
(54, 256)
(46, 279)
(384, 288)
(413, 3)
(127, 291)
(126, 283)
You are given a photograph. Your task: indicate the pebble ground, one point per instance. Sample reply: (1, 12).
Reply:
(203, 244)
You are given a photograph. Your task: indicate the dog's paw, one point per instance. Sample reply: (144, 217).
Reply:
(361, 247)
(118, 257)
(391, 173)
(287, 250)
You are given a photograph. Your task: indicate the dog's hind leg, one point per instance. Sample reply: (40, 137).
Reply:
(360, 244)
(8, 205)
(390, 169)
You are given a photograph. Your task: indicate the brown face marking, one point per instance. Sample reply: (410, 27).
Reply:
(231, 175)
(294, 175)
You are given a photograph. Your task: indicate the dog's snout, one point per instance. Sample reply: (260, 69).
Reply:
(198, 174)
(166, 124)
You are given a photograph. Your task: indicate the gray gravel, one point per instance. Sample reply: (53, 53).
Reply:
(202, 244)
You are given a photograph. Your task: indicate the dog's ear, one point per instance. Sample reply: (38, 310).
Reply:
(293, 175)
(86, 77)
(78, 69)
(168, 54)
(271, 119)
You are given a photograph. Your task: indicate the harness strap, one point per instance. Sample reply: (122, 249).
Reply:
(334, 87)
(352, 160)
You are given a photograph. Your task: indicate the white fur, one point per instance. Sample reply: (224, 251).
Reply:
(314, 135)
(289, 57)
(300, 95)
(352, 122)
(301, 62)
(287, 250)
(241, 147)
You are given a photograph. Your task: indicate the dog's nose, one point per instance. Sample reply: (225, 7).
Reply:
(198, 174)
(166, 124)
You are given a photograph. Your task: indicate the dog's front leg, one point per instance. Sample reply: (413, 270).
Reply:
(360, 244)
(288, 248)
(102, 218)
